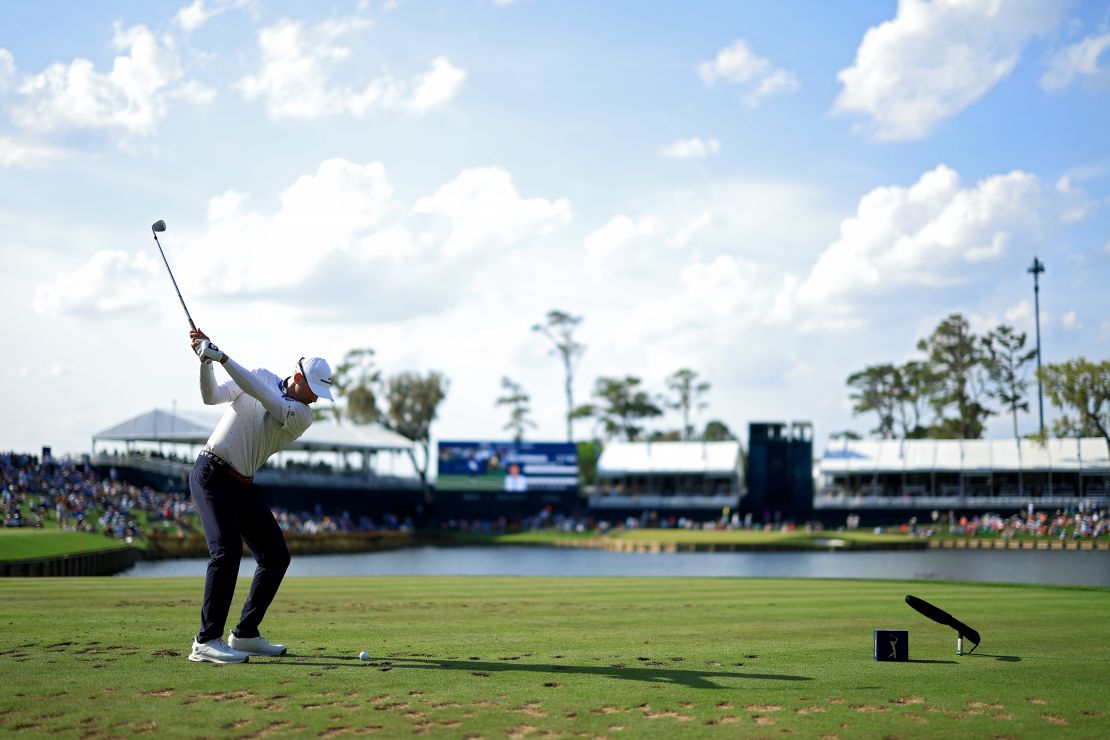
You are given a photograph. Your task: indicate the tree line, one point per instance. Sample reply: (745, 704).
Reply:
(408, 402)
(960, 380)
(949, 391)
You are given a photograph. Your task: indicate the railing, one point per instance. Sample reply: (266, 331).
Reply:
(955, 502)
(269, 476)
(602, 501)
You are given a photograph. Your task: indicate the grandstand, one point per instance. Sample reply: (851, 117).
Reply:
(333, 467)
(966, 475)
(328, 454)
(672, 478)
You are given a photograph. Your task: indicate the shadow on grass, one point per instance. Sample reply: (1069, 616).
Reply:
(693, 679)
(1004, 658)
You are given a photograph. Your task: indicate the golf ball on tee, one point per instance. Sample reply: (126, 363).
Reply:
(364, 655)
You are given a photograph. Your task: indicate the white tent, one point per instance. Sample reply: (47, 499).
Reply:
(158, 426)
(967, 455)
(669, 458)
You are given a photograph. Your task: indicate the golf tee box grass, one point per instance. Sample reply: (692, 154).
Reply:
(515, 657)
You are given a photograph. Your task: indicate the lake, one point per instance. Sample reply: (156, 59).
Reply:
(1070, 567)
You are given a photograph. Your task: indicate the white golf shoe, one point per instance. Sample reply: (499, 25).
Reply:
(216, 651)
(255, 645)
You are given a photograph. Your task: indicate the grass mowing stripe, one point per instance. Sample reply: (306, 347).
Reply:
(641, 657)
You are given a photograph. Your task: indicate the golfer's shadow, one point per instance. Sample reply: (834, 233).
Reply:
(690, 678)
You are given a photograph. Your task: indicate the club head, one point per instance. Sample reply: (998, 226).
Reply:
(158, 226)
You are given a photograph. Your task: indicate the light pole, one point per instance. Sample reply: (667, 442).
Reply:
(1036, 269)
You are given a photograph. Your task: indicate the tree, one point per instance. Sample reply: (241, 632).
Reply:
(519, 409)
(955, 358)
(1007, 364)
(621, 406)
(687, 392)
(875, 389)
(717, 431)
(1081, 387)
(412, 401)
(846, 434)
(914, 386)
(357, 380)
(588, 454)
(559, 329)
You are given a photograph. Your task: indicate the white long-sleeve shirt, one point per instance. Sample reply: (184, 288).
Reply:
(260, 421)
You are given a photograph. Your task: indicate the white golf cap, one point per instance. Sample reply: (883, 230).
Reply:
(317, 372)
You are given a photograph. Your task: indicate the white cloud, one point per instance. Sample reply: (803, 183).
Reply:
(694, 148)
(15, 153)
(619, 231)
(54, 369)
(683, 236)
(437, 86)
(111, 283)
(7, 70)
(194, 15)
(297, 64)
(1081, 59)
(1070, 321)
(339, 241)
(739, 65)
(720, 294)
(934, 234)
(1019, 314)
(936, 58)
(131, 98)
(481, 207)
(195, 93)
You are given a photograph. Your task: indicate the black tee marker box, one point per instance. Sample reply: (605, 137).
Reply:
(892, 645)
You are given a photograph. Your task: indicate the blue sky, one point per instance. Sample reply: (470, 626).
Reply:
(774, 194)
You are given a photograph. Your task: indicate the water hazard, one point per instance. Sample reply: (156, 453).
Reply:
(1080, 568)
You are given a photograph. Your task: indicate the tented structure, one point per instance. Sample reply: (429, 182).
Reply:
(149, 435)
(943, 471)
(669, 475)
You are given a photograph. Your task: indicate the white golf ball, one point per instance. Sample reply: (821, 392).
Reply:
(364, 655)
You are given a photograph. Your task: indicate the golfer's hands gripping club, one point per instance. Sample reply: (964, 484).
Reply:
(205, 350)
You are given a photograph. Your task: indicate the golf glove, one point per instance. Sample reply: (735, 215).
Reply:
(207, 352)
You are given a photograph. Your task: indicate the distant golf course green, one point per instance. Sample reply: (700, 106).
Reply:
(798, 538)
(516, 657)
(29, 544)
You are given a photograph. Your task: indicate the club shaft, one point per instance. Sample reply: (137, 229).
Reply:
(167, 264)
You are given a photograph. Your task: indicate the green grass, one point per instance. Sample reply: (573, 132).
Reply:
(752, 537)
(615, 657)
(28, 544)
(530, 537)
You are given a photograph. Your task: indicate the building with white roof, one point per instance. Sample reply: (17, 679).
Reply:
(329, 453)
(669, 476)
(948, 473)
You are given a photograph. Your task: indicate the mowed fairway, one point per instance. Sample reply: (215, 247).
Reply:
(555, 657)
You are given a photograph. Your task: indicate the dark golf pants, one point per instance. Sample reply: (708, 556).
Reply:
(232, 511)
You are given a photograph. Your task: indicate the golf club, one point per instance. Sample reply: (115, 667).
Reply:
(156, 227)
(939, 615)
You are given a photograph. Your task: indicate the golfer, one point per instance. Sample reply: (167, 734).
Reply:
(266, 414)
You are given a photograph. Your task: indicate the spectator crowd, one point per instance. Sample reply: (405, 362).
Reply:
(77, 499)
(73, 496)
(1085, 523)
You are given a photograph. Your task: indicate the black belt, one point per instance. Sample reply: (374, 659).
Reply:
(220, 462)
